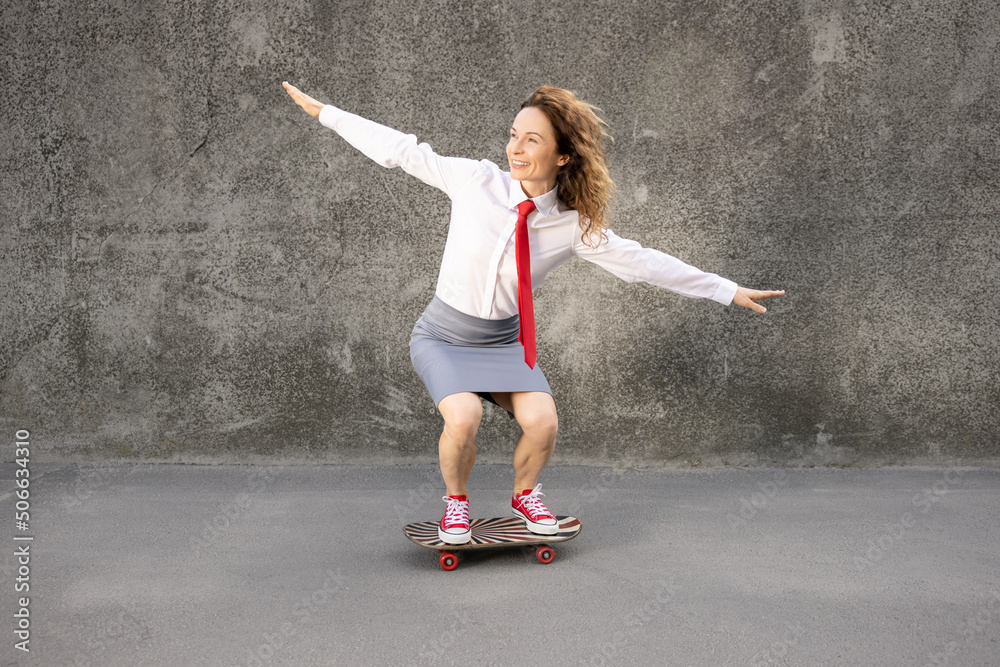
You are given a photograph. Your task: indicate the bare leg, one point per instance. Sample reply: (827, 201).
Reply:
(535, 411)
(457, 447)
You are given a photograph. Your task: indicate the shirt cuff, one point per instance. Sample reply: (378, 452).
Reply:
(329, 115)
(725, 292)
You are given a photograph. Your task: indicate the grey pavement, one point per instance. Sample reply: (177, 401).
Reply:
(169, 564)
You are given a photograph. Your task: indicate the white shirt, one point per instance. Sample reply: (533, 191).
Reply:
(478, 271)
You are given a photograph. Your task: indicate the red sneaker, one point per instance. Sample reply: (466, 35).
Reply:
(454, 527)
(537, 519)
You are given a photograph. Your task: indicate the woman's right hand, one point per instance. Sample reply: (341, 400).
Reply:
(311, 106)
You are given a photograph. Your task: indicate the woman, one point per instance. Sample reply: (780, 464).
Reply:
(476, 338)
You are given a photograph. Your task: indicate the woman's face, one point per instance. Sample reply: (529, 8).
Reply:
(533, 153)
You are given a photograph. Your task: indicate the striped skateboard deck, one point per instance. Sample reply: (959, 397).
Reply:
(497, 532)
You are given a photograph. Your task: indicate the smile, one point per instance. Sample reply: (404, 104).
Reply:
(518, 163)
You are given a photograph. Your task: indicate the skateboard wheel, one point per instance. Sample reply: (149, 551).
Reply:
(449, 561)
(545, 554)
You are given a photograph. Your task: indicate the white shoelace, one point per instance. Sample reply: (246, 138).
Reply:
(533, 504)
(457, 512)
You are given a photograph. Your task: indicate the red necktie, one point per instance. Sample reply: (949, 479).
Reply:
(525, 309)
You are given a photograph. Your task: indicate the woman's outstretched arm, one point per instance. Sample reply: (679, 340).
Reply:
(389, 147)
(632, 262)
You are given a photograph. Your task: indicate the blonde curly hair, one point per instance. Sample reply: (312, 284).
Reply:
(584, 182)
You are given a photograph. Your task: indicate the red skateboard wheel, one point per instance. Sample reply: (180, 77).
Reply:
(449, 561)
(545, 554)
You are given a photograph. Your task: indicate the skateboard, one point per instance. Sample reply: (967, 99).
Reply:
(498, 532)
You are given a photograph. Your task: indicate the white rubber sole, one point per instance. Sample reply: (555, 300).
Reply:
(454, 538)
(537, 528)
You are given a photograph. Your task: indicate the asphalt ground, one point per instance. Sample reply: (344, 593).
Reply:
(168, 564)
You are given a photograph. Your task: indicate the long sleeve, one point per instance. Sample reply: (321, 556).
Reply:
(391, 148)
(633, 263)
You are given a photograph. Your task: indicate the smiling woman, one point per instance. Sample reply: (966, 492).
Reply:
(533, 152)
(476, 338)
(585, 184)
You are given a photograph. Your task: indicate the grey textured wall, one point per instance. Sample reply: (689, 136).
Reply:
(194, 269)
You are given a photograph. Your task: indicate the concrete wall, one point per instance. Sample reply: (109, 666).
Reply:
(193, 269)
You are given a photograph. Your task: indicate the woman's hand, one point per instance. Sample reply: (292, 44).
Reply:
(748, 298)
(311, 106)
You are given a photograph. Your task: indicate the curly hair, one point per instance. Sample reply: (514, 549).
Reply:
(584, 182)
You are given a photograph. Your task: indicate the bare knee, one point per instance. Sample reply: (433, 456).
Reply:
(540, 423)
(462, 414)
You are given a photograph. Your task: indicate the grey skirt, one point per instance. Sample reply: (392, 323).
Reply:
(453, 352)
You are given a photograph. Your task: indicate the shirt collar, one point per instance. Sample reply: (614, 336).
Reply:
(547, 204)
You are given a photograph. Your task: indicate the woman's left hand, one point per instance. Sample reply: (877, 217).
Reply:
(748, 298)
